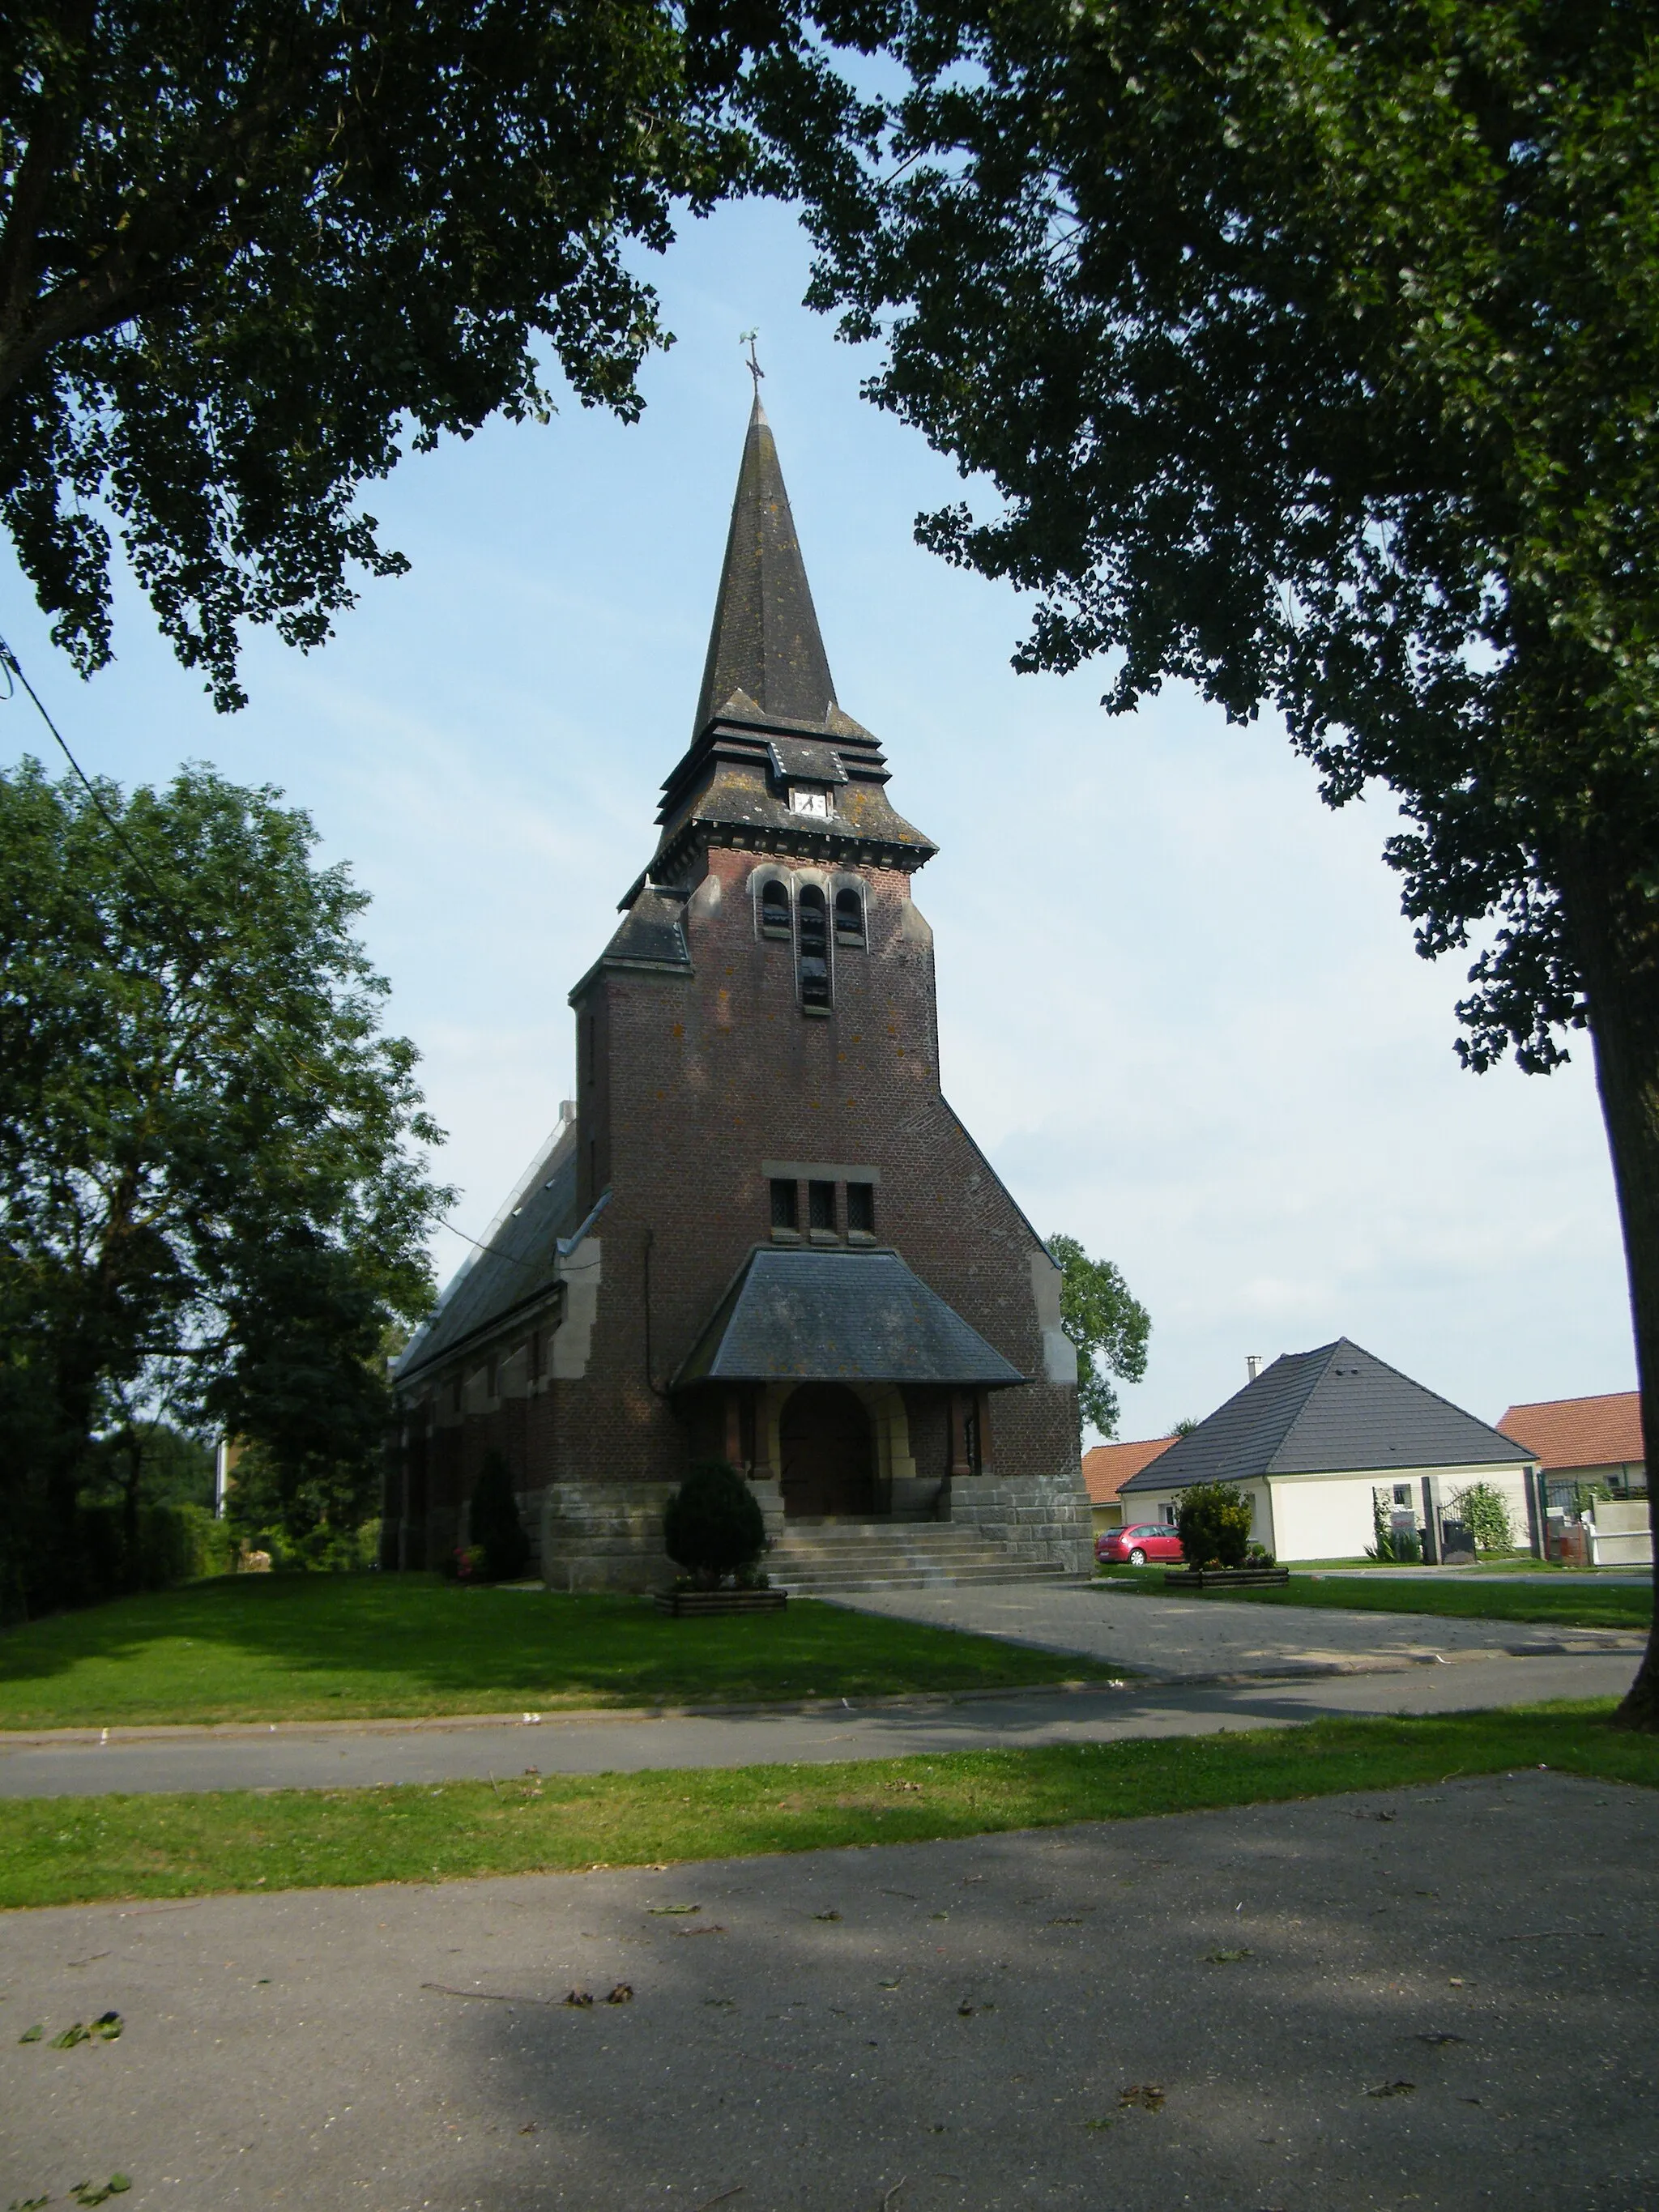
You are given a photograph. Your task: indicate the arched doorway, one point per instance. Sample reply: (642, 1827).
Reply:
(829, 1467)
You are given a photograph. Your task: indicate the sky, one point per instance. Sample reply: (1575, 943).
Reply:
(1178, 1005)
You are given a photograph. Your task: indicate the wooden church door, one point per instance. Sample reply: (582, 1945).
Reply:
(827, 1461)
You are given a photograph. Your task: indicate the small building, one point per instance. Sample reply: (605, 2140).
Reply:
(1585, 1446)
(1105, 1471)
(1320, 1438)
(1581, 1441)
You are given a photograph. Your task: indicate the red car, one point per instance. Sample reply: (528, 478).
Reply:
(1142, 1541)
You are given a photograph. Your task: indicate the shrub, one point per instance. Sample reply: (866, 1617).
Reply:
(174, 1544)
(499, 1543)
(713, 1526)
(1214, 1522)
(1485, 1512)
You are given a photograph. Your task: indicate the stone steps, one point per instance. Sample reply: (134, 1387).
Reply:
(825, 1558)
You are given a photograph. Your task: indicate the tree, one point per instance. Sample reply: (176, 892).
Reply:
(1313, 351)
(246, 248)
(210, 1194)
(1109, 1325)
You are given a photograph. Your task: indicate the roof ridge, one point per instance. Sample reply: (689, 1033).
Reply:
(1329, 1351)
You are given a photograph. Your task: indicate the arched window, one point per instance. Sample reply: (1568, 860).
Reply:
(775, 908)
(849, 918)
(813, 947)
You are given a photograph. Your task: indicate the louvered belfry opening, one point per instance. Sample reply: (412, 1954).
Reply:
(812, 946)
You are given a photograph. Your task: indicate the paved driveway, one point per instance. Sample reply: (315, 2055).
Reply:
(1438, 1997)
(1172, 1636)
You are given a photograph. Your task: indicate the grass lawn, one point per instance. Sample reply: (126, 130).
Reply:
(337, 1647)
(1580, 1603)
(63, 1851)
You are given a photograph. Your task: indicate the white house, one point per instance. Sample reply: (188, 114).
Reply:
(1312, 1439)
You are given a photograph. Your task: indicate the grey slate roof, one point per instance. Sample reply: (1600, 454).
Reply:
(1338, 1410)
(838, 1317)
(765, 641)
(517, 1262)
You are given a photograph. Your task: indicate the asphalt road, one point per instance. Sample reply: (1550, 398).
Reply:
(339, 1755)
(1433, 1999)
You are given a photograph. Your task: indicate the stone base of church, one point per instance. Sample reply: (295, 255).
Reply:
(604, 1537)
(1034, 1519)
(608, 1536)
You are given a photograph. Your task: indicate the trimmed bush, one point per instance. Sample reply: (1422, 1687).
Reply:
(1214, 1522)
(713, 1525)
(499, 1545)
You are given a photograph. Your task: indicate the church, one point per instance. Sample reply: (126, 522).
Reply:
(758, 1233)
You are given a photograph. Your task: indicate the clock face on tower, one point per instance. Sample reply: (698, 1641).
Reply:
(810, 799)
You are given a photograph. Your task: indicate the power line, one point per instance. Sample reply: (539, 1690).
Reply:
(13, 668)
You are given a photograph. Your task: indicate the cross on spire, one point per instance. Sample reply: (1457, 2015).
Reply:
(748, 338)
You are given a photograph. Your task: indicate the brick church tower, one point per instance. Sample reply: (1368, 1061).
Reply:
(758, 1232)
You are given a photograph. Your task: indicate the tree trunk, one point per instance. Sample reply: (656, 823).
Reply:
(129, 1502)
(1614, 930)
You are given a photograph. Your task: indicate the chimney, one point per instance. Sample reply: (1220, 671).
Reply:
(1253, 1364)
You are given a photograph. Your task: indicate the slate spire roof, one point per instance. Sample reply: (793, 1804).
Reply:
(765, 646)
(769, 722)
(1337, 1410)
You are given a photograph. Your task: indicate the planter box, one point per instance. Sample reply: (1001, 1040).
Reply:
(682, 1603)
(1203, 1578)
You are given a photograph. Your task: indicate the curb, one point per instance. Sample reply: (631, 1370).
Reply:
(1126, 1684)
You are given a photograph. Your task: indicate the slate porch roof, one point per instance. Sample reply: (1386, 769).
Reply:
(838, 1317)
(1336, 1410)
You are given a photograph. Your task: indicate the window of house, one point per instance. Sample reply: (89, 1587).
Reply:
(821, 1204)
(786, 1207)
(774, 910)
(860, 1209)
(1402, 1493)
(849, 918)
(813, 947)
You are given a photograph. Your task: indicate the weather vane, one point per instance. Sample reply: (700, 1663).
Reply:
(748, 338)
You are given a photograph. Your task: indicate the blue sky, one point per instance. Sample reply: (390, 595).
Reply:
(1178, 1004)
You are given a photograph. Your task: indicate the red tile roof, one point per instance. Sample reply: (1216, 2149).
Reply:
(1108, 1466)
(1565, 1432)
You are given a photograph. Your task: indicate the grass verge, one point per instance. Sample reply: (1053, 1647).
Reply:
(1579, 1604)
(66, 1850)
(343, 1647)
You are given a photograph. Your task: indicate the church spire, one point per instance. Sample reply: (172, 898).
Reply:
(765, 641)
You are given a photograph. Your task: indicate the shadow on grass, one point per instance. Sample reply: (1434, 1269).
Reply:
(337, 1646)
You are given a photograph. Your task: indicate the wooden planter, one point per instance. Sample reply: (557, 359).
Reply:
(1203, 1578)
(682, 1603)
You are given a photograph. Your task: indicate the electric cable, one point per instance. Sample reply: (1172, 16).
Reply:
(13, 669)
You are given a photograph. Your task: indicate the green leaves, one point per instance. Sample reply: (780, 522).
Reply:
(1107, 1323)
(248, 253)
(1313, 357)
(210, 1195)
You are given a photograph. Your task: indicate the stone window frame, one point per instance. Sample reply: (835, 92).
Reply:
(843, 882)
(827, 881)
(758, 881)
